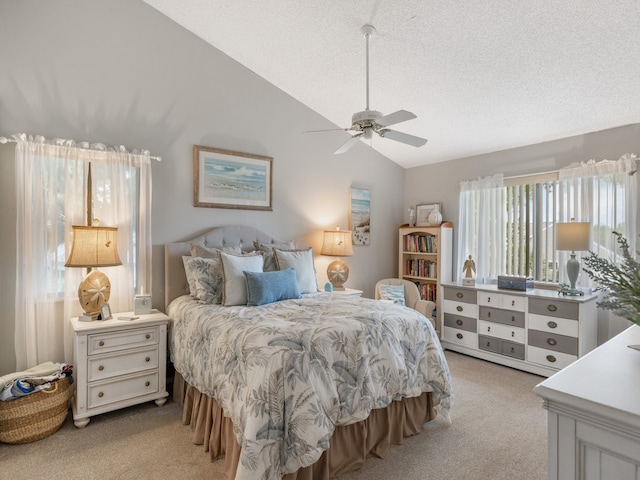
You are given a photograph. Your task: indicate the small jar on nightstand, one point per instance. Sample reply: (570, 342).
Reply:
(118, 363)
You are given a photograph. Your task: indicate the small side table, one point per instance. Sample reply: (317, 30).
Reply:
(349, 291)
(118, 363)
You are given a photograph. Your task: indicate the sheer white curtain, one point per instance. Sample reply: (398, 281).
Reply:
(605, 194)
(482, 226)
(51, 188)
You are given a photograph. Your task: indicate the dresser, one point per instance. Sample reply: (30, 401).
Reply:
(118, 363)
(593, 413)
(536, 330)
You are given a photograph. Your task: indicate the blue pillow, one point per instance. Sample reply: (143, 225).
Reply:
(269, 287)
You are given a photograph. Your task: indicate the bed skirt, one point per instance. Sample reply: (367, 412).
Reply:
(349, 445)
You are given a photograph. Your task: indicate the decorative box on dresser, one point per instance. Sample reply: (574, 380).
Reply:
(536, 330)
(426, 259)
(118, 363)
(593, 413)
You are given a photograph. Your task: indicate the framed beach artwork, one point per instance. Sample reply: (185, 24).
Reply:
(360, 216)
(228, 179)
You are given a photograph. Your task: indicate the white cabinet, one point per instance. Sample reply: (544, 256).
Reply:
(593, 414)
(118, 363)
(534, 330)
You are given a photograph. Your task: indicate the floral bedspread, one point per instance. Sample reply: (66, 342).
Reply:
(288, 372)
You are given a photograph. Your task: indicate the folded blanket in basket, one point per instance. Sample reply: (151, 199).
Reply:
(19, 384)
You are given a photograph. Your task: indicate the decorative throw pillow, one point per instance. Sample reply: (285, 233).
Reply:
(204, 276)
(269, 287)
(302, 262)
(395, 293)
(267, 252)
(212, 252)
(234, 291)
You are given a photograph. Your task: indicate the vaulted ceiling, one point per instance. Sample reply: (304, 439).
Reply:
(481, 76)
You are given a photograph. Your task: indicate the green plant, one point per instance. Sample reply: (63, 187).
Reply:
(619, 281)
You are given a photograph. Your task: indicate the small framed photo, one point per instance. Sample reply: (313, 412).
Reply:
(105, 312)
(422, 214)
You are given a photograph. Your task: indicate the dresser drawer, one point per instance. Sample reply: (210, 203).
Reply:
(122, 339)
(554, 308)
(554, 342)
(115, 364)
(461, 337)
(103, 393)
(501, 331)
(499, 315)
(457, 321)
(502, 300)
(549, 358)
(460, 308)
(489, 344)
(561, 326)
(512, 349)
(460, 295)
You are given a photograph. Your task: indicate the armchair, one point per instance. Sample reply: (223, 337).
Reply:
(411, 297)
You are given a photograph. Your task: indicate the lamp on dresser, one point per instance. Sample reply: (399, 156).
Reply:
(94, 247)
(337, 243)
(573, 236)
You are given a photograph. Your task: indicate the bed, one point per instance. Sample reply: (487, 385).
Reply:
(302, 388)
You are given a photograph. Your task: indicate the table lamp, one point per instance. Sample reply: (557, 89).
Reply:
(94, 247)
(337, 243)
(573, 236)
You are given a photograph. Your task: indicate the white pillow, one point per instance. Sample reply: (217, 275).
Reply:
(393, 293)
(302, 262)
(234, 291)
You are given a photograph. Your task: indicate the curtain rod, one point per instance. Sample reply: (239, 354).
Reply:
(4, 140)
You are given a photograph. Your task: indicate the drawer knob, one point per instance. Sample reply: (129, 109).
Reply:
(551, 341)
(551, 358)
(101, 343)
(551, 307)
(148, 336)
(147, 359)
(146, 384)
(513, 303)
(459, 295)
(488, 299)
(488, 328)
(101, 368)
(513, 350)
(459, 308)
(459, 322)
(459, 336)
(101, 394)
(489, 314)
(552, 324)
(513, 334)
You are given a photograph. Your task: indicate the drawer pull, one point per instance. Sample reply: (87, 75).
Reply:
(552, 324)
(489, 314)
(459, 322)
(552, 308)
(101, 343)
(551, 341)
(459, 308)
(488, 299)
(488, 328)
(459, 336)
(513, 303)
(101, 394)
(513, 318)
(551, 358)
(488, 344)
(101, 368)
(459, 295)
(148, 336)
(146, 384)
(513, 334)
(513, 350)
(147, 359)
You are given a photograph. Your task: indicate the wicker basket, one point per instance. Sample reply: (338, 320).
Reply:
(35, 416)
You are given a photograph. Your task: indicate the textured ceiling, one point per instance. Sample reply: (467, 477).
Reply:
(481, 76)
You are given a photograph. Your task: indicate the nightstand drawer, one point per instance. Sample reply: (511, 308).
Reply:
(112, 342)
(122, 363)
(103, 393)
(463, 323)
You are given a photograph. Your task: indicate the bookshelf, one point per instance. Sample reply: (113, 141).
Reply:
(425, 258)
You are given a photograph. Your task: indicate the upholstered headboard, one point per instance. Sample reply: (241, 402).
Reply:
(175, 280)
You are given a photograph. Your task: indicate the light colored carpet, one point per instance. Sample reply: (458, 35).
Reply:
(498, 432)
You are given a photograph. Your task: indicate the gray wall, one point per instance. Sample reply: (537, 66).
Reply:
(440, 182)
(119, 72)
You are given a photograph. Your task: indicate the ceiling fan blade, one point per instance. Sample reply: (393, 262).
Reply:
(395, 117)
(402, 137)
(349, 143)
(328, 130)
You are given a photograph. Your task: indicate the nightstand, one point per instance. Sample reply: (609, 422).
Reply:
(118, 363)
(349, 291)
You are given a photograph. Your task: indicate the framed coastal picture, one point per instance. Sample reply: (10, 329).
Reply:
(360, 216)
(229, 179)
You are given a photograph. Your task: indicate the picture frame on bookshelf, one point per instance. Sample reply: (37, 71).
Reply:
(423, 211)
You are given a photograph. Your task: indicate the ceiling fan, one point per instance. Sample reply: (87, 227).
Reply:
(366, 122)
